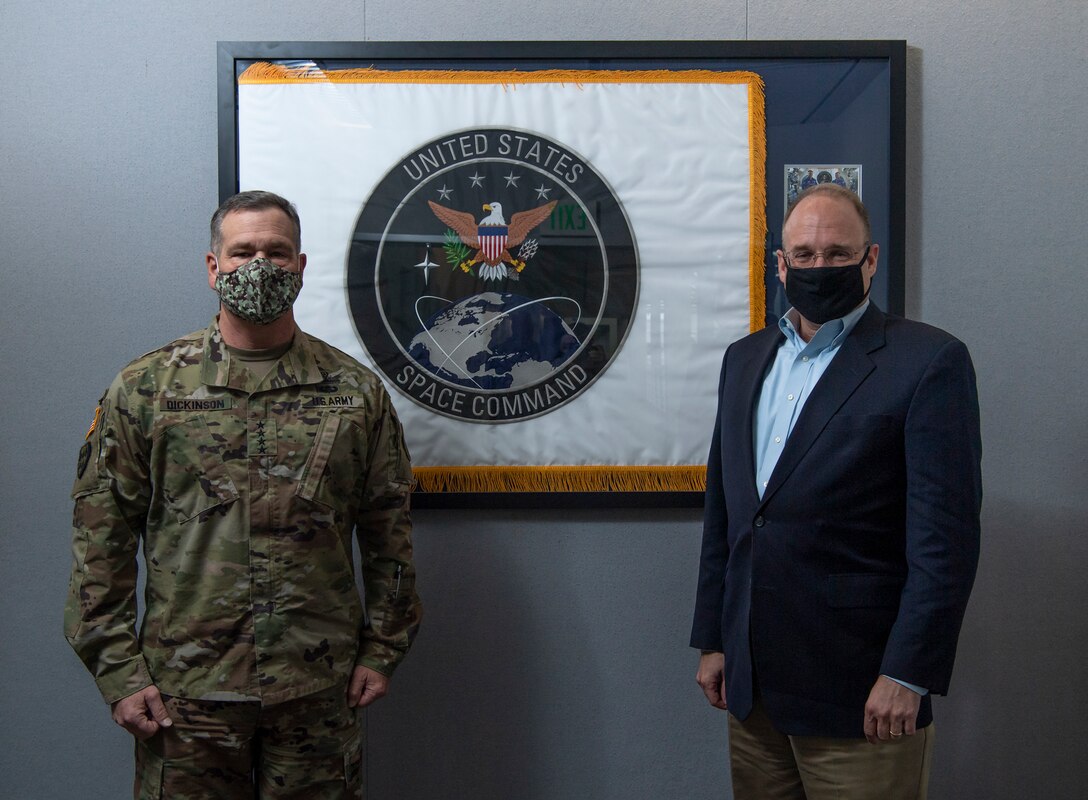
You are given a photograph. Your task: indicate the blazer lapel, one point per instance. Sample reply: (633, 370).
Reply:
(850, 366)
(752, 372)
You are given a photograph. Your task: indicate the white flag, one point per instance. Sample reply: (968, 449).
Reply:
(544, 267)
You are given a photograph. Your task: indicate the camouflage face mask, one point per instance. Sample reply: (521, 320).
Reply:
(258, 291)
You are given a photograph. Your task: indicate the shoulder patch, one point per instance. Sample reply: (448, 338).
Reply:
(84, 459)
(94, 426)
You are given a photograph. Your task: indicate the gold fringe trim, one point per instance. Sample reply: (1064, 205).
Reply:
(757, 228)
(263, 72)
(595, 478)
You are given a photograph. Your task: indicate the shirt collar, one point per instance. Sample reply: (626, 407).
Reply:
(830, 335)
(298, 366)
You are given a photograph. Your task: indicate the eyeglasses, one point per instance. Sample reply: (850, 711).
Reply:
(835, 257)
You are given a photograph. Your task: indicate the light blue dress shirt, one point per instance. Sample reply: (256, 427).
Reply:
(797, 368)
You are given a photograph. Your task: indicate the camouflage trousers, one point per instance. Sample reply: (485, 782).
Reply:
(308, 748)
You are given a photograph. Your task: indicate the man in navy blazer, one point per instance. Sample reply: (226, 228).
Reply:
(841, 529)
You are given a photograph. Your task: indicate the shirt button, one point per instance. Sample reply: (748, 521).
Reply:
(804, 358)
(777, 439)
(789, 397)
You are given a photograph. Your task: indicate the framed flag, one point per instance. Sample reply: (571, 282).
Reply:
(544, 252)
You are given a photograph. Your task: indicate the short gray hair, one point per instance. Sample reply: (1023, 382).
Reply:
(253, 201)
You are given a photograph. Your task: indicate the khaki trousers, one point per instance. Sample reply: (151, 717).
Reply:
(305, 749)
(768, 765)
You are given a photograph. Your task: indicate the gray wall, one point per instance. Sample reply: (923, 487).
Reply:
(552, 663)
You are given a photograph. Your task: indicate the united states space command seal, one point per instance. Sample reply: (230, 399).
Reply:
(492, 275)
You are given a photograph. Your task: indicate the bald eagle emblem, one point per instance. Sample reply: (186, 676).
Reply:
(491, 238)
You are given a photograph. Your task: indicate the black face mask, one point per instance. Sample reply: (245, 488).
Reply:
(821, 294)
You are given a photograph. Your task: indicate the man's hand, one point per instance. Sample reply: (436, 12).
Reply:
(711, 678)
(365, 687)
(890, 711)
(142, 714)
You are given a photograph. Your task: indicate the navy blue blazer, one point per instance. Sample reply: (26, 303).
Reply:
(859, 559)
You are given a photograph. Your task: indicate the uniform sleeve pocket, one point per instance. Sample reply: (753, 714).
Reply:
(400, 599)
(391, 478)
(863, 590)
(89, 475)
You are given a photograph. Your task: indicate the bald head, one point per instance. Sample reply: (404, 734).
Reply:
(835, 192)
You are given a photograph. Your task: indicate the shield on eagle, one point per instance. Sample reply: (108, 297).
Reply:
(492, 241)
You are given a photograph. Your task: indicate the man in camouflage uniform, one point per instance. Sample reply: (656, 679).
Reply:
(243, 457)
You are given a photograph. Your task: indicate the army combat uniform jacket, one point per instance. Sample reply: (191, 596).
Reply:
(244, 489)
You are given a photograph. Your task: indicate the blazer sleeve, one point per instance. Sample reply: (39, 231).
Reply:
(943, 452)
(706, 629)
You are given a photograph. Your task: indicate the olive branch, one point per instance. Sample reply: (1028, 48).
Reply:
(456, 252)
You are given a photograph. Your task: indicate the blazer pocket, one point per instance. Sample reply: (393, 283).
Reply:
(864, 590)
(863, 422)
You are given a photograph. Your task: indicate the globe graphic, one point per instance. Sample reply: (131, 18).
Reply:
(494, 341)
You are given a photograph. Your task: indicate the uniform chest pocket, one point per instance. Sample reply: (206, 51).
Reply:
(333, 470)
(187, 462)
